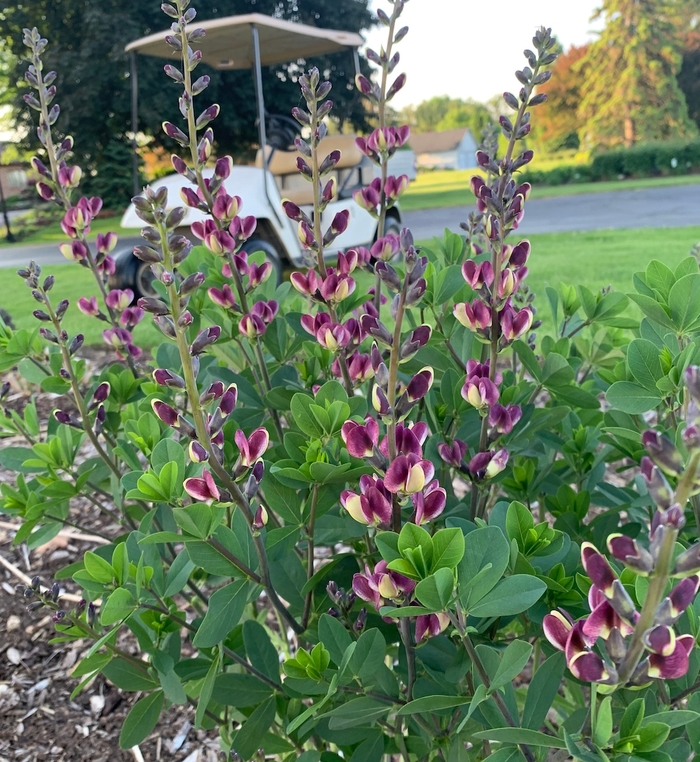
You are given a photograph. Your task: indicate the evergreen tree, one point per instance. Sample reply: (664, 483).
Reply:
(630, 92)
(557, 124)
(86, 47)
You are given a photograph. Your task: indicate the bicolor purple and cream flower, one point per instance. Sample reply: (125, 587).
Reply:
(203, 489)
(252, 448)
(382, 585)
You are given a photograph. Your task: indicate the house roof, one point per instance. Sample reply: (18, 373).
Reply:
(229, 44)
(430, 142)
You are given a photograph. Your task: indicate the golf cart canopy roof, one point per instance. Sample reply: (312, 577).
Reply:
(229, 43)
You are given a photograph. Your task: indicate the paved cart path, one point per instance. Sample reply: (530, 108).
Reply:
(675, 206)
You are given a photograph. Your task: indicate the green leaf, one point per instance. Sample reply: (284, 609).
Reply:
(542, 691)
(247, 739)
(653, 735)
(430, 704)
(369, 654)
(127, 676)
(240, 691)
(303, 417)
(447, 283)
(448, 548)
(206, 692)
(603, 723)
(528, 358)
(519, 522)
(413, 537)
(359, 711)
(674, 719)
(510, 596)
(225, 610)
(653, 310)
(119, 605)
(486, 557)
(260, 651)
(512, 663)
(521, 735)
(632, 718)
(632, 398)
(435, 591)
(334, 637)
(168, 451)
(141, 720)
(644, 363)
(684, 302)
(99, 569)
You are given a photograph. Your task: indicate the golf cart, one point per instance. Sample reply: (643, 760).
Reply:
(256, 40)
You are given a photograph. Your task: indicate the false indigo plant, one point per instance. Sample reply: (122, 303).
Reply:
(373, 506)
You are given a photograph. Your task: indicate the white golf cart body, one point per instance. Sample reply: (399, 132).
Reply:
(257, 40)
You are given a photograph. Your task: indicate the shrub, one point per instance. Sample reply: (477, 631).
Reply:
(367, 550)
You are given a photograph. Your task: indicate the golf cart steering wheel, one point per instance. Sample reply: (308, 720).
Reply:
(281, 132)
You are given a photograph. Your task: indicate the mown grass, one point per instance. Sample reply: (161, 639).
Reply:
(595, 259)
(432, 190)
(53, 234)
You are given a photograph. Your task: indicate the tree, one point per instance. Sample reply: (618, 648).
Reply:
(630, 92)
(469, 114)
(444, 113)
(86, 46)
(557, 123)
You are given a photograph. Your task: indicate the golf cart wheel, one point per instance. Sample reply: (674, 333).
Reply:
(143, 280)
(273, 256)
(392, 226)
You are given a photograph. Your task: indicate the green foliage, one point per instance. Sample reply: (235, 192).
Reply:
(629, 92)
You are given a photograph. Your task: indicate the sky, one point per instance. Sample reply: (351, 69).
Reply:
(471, 48)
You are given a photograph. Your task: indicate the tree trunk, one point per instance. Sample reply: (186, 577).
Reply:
(630, 137)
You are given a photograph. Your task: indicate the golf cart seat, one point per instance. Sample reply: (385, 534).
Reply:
(283, 165)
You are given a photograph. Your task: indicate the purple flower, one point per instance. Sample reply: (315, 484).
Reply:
(503, 419)
(430, 625)
(429, 503)
(371, 508)
(75, 251)
(487, 465)
(453, 454)
(475, 316)
(165, 412)
(408, 474)
(515, 324)
(631, 553)
(252, 448)
(118, 299)
(106, 242)
(663, 452)
(477, 275)
(88, 306)
(360, 441)
(333, 336)
(480, 393)
(381, 585)
(204, 489)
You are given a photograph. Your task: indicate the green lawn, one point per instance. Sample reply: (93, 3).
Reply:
(72, 282)
(451, 188)
(595, 259)
(53, 233)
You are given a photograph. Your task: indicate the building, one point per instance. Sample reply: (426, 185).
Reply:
(13, 178)
(451, 149)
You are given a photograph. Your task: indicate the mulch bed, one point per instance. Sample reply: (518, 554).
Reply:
(38, 719)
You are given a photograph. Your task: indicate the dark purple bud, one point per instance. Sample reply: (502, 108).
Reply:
(663, 452)
(204, 339)
(165, 412)
(165, 377)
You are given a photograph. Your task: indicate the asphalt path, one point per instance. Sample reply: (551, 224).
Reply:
(674, 206)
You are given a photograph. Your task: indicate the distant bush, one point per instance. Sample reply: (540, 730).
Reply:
(648, 160)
